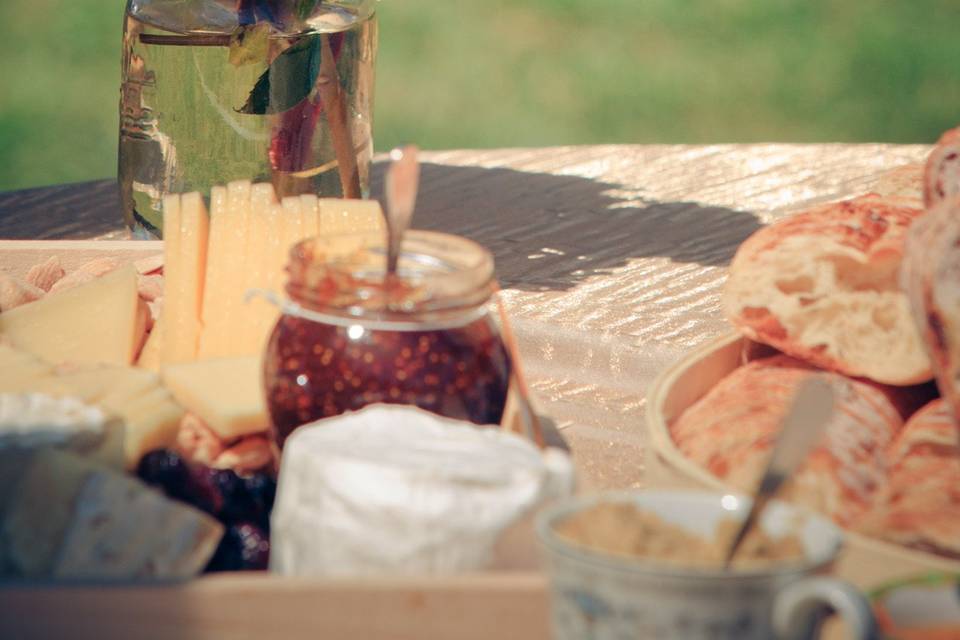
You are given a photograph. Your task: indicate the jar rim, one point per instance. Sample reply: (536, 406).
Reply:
(345, 274)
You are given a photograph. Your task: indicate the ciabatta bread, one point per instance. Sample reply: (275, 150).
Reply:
(823, 286)
(732, 429)
(919, 505)
(930, 275)
(941, 176)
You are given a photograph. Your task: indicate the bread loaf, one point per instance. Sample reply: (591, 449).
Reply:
(823, 286)
(941, 177)
(930, 275)
(732, 429)
(919, 505)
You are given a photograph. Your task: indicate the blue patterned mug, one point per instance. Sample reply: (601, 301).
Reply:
(605, 597)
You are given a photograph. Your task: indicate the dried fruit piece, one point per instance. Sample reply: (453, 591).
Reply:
(151, 264)
(244, 547)
(150, 287)
(15, 292)
(197, 442)
(250, 454)
(46, 274)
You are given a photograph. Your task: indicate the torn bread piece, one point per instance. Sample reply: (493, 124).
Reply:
(823, 286)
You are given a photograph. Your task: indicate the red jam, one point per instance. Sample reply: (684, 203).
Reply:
(320, 370)
(339, 357)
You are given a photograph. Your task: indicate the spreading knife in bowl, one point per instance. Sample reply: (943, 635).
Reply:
(800, 429)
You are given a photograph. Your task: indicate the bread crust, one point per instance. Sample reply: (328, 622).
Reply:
(941, 176)
(731, 432)
(919, 505)
(930, 275)
(823, 286)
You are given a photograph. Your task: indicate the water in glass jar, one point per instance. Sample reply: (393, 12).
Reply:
(213, 93)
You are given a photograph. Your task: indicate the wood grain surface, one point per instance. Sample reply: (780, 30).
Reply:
(611, 257)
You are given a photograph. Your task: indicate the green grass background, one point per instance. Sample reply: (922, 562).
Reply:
(494, 73)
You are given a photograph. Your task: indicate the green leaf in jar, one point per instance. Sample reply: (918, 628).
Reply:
(288, 80)
(249, 45)
(306, 8)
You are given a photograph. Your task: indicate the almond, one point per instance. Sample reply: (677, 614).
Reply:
(46, 274)
(87, 272)
(15, 292)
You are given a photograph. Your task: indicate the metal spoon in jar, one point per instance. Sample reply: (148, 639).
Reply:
(402, 180)
(800, 429)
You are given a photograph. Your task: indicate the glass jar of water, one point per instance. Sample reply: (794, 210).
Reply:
(274, 91)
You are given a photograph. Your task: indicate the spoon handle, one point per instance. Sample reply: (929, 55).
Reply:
(799, 431)
(402, 180)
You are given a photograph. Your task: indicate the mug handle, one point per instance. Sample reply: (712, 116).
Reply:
(801, 606)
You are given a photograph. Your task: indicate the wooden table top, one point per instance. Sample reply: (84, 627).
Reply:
(611, 259)
(611, 256)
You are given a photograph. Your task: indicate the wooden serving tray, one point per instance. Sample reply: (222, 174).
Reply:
(509, 603)
(866, 562)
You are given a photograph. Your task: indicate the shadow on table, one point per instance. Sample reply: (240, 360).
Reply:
(548, 232)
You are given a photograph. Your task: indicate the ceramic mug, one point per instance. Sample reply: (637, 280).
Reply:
(600, 596)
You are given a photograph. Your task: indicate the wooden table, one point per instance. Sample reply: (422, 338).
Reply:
(611, 258)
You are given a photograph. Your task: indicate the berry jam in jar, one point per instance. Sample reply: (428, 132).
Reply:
(349, 336)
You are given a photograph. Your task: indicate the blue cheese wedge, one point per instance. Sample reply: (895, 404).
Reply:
(36, 420)
(71, 519)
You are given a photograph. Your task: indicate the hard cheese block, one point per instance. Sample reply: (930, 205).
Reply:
(94, 322)
(232, 325)
(150, 414)
(71, 519)
(226, 393)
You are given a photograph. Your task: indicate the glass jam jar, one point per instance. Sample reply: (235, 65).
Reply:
(348, 336)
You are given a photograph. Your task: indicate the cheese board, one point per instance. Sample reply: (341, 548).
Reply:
(257, 604)
(866, 562)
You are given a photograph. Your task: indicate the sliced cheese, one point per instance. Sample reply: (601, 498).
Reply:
(227, 394)
(310, 214)
(68, 518)
(186, 261)
(227, 266)
(134, 391)
(93, 322)
(172, 276)
(194, 235)
(154, 427)
(349, 216)
(218, 264)
(94, 384)
(21, 371)
(293, 232)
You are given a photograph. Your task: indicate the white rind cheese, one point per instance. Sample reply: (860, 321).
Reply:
(397, 490)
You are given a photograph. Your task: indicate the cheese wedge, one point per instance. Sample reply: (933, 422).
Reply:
(227, 394)
(68, 518)
(153, 427)
(349, 216)
(95, 384)
(90, 323)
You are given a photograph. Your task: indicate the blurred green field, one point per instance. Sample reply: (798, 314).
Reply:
(539, 72)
